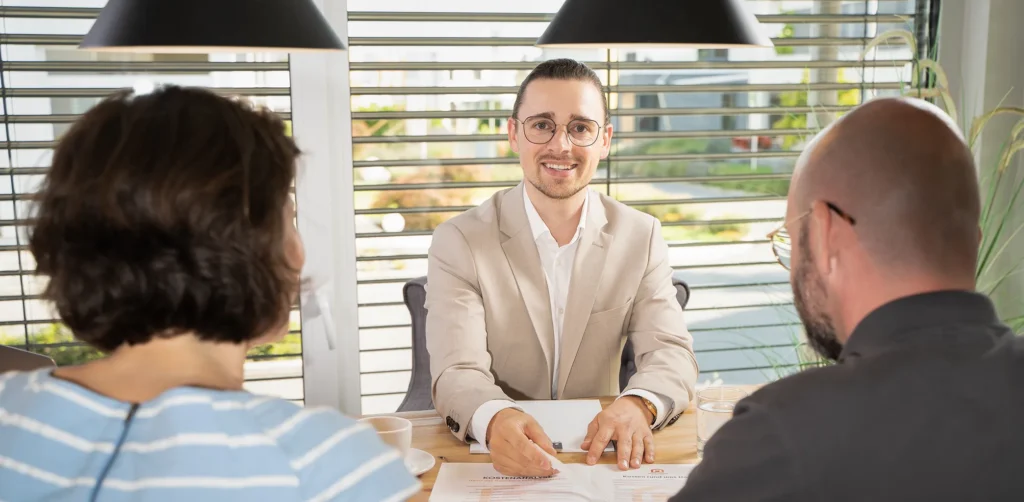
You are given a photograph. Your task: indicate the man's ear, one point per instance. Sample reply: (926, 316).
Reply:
(513, 139)
(606, 141)
(819, 232)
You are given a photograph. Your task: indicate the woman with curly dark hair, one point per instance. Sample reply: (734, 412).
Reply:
(165, 227)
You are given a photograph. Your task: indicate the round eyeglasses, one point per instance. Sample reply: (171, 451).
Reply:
(540, 130)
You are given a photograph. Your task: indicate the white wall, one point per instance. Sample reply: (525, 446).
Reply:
(980, 48)
(322, 125)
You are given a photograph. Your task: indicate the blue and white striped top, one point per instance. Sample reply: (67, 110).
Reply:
(189, 444)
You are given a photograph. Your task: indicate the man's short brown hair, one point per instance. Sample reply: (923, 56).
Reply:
(562, 69)
(163, 214)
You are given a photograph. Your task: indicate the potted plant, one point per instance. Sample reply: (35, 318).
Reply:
(1001, 254)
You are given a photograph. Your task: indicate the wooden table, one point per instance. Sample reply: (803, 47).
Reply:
(676, 444)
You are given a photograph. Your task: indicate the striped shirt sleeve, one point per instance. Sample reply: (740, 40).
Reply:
(340, 459)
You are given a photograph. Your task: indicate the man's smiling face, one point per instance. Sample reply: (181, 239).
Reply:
(560, 167)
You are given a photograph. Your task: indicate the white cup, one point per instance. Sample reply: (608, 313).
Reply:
(394, 431)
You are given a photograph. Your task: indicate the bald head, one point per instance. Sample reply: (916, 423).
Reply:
(899, 166)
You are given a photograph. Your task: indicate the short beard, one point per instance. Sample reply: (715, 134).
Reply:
(809, 302)
(552, 194)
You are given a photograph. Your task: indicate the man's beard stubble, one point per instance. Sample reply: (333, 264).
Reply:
(557, 193)
(555, 190)
(809, 297)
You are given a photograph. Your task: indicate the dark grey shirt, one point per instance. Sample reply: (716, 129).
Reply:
(926, 403)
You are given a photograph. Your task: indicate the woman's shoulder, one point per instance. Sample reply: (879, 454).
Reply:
(287, 422)
(334, 457)
(40, 389)
(337, 457)
(39, 392)
(16, 380)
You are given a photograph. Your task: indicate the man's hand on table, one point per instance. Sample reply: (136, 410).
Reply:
(628, 422)
(517, 442)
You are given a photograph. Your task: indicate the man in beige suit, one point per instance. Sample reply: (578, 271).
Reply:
(532, 294)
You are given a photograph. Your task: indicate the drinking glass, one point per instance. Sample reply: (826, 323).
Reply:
(714, 408)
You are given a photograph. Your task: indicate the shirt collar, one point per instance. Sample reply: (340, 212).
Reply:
(537, 224)
(942, 317)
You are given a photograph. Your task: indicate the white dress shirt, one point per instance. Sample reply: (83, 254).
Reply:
(557, 263)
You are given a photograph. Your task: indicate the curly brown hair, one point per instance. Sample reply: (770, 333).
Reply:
(163, 214)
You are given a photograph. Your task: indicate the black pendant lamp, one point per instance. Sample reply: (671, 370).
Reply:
(197, 26)
(588, 24)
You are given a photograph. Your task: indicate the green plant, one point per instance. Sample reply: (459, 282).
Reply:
(787, 32)
(684, 168)
(291, 344)
(668, 212)
(848, 97)
(778, 187)
(1001, 253)
(733, 231)
(378, 127)
(669, 145)
(426, 198)
(1001, 185)
(56, 341)
(672, 213)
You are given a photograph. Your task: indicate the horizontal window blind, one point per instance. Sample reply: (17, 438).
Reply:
(705, 140)
(47, 83)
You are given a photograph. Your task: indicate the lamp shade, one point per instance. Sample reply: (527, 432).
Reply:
(196, 26)
(653, 23)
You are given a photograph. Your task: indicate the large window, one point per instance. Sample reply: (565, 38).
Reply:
(47, 82)
(705, 141)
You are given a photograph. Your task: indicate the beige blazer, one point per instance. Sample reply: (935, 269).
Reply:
(489, 330)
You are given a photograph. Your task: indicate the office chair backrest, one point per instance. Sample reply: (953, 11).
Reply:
(418, 397)
(12, 359)
(628, 367)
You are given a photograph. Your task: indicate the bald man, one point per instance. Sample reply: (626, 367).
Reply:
(926, 399)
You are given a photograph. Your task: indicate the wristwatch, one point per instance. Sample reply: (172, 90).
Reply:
(650, 406)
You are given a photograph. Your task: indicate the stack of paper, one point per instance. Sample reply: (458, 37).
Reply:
(564, 422)
(463, 482)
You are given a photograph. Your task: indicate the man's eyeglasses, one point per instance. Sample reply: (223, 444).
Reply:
(782, 244)
(540, 130)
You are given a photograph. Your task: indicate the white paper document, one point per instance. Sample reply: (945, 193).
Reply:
(464, 482)
(564, 422)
